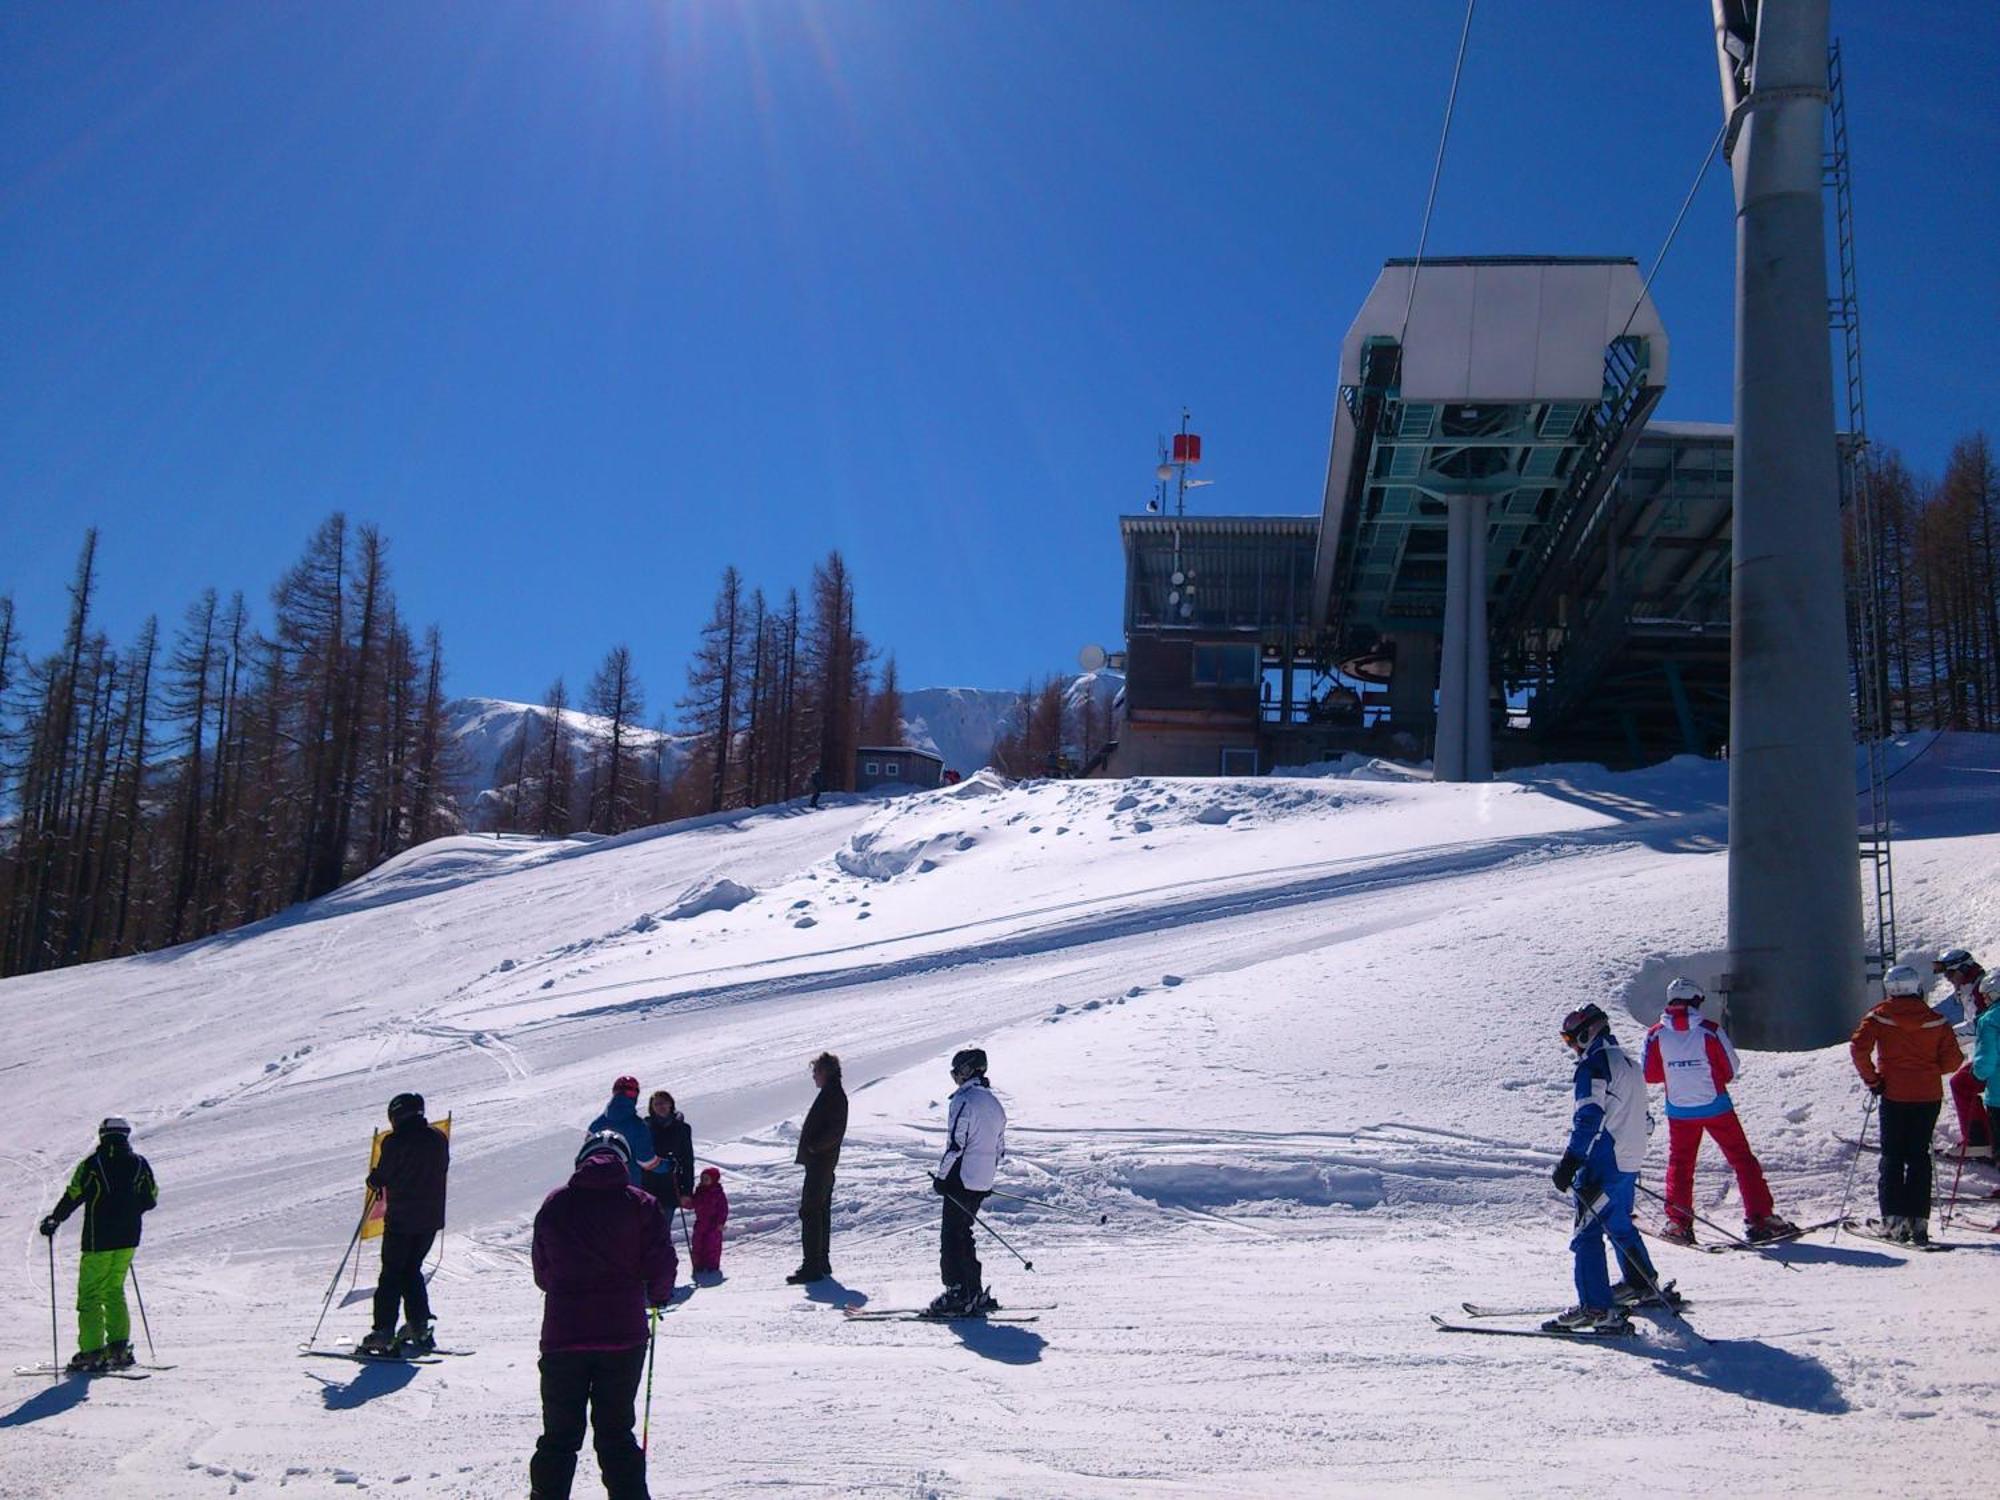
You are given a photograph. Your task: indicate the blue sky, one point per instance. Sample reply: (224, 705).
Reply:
(582, 301)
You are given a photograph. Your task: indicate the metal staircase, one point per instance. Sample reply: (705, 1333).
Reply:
(1866, 583)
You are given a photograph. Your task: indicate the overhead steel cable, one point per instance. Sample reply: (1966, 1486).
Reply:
(1686, 203)
(1430, 199)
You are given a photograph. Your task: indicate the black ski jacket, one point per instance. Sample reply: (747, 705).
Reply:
(673, 1143)
(115, 1187)
(824, 1129)
(410, 1176)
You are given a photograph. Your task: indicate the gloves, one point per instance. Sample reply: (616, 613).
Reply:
(50, 1225)
(937, 1186)
(1566, 1170)
(1875, 1088)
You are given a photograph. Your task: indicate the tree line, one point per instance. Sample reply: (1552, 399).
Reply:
(167, 790)
(777, 698)
(172, 789)
(1937, 579)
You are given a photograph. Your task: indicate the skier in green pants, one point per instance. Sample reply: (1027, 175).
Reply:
(115, 1186)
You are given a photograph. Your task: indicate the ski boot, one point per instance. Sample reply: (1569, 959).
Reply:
(802, 1276)
(1636, 1294)
(416, 1338)
(118, 1355)
(1896, 1229)
(86, 1362)
(1589, 1320)
(1676, 1233)
(981, 1303)
(379, 1344)
(1920, 1231)
(1770, 1227)
(952, 1302)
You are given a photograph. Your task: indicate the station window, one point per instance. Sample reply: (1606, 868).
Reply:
(1226, 666)
(1238, 761)
(872, 768)
(892, 769)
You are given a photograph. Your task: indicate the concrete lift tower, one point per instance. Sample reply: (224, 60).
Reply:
(1795, 935)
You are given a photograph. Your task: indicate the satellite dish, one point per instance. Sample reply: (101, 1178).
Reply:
(1179, 577)
(1091, 658)
(1164, 473)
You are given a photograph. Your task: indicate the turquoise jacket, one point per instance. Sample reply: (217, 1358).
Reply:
(1986, 1054)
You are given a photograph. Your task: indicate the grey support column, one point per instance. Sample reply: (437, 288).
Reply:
(1414, 683)
(1448, 763)
(1478, 696)
(1794, 873)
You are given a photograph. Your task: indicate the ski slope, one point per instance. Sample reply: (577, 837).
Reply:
(1294, 1038)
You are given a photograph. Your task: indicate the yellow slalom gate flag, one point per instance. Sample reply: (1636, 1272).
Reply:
(378, 1203)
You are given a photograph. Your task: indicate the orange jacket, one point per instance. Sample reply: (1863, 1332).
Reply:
(1909, 1047)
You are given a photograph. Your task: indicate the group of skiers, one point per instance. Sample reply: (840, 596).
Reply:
(1902, 1050)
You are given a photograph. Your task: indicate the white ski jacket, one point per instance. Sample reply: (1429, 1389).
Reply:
(976, 1136)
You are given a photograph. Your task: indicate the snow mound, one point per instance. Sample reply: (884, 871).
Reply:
(715, 895)
(1219, 1184)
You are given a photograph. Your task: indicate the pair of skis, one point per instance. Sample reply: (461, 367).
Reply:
(130, 1372)
(1724, 1247)
(355, 1355)
(1480, 1313)
(925, 1315)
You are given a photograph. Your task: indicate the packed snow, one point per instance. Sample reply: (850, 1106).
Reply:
(1281, 1063)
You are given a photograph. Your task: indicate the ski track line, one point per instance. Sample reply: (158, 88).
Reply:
(1113, 925)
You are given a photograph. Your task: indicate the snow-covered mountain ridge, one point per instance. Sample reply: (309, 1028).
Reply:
(1292, 1037)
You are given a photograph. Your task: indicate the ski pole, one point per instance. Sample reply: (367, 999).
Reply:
(1847, 1188)
(55, 1338)
(144, 1321)
(334, 1285)
(1061, 1208)
(1652, 1281)
(652, 1344)
(973, 1214)
(1733, 1238)
(687, 1238)
(1951, 1203)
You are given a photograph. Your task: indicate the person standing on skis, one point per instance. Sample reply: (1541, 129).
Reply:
(975, 1145)
(673, 1143)
(622, 1115)
(1694, 1059)
(1600, 1166)
(115, 1187)
(410, 1175)
(1963, 1008)
(1903, 1049)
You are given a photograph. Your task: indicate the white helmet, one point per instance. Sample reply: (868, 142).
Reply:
(1684, 991)
(1902, 980)
(1989, 984)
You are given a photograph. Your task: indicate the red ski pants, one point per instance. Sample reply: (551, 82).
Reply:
(1968, 1098)
(1684, 1145)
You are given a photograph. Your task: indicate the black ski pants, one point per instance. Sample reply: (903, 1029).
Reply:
(816, 1221)
(402, 1279)
(958, 1257)
(1906, 1158)
(606, 1382)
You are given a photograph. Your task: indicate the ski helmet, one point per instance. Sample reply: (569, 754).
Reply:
(626, 1085)
(968, 1062)
(114, 1125)
(1684, 991)
(1902, 981)
(1989, 985)
(1583, 1023)
(599, 1142)
(405, 1104)
(1953, 958)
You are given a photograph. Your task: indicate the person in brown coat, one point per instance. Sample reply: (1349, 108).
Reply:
(820, 1136)
(1903, 1051)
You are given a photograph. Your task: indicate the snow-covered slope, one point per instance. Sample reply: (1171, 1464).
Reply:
(1292, 1039)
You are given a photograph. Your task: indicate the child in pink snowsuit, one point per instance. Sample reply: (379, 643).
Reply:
(711, 1212)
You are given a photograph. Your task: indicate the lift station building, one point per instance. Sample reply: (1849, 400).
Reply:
(1512, 560)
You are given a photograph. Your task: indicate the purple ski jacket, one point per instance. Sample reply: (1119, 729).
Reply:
(602, 1256)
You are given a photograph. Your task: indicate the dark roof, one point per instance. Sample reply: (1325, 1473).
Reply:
(1514, 260)
(1292, 526)
(897, 750)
